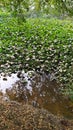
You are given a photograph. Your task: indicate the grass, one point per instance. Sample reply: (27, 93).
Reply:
(44, 44)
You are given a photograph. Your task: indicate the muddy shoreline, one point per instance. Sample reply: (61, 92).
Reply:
(20, 116)
(38, 89)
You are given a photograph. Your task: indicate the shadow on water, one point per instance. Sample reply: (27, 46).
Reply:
(38, 89)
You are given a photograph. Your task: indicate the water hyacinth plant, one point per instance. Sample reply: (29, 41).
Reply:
(44, 44)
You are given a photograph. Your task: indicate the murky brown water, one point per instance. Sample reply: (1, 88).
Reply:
(40, 90)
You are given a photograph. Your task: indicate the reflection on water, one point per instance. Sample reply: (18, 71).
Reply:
(38, 89)
(7, 81)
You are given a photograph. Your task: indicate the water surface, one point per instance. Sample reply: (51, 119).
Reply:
(39, 88)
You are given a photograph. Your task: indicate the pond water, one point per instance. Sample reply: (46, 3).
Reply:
(38, 89)
(7, 81)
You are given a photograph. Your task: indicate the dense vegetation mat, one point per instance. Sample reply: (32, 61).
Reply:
(17, 116)
(38, 44)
